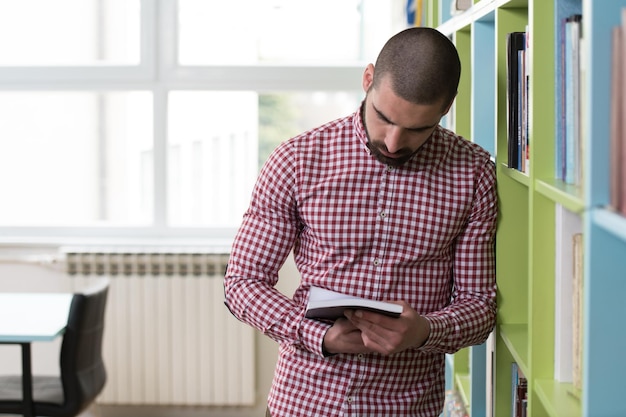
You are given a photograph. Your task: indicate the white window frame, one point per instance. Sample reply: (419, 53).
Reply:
(159, 73)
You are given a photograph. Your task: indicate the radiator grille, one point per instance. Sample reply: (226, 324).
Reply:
(169, 339)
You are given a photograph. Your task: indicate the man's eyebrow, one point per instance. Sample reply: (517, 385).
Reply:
(413, 129)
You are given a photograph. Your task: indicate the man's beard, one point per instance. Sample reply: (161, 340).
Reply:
(375, 146)
(375, 149)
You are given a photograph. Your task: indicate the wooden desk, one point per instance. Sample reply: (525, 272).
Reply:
(32, 317)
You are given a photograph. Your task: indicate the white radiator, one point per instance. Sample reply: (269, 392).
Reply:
(169, 339)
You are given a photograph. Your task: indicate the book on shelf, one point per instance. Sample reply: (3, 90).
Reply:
(572, 116)
(583, 109)
(560, 101)
(515, 44)
(459, 6)
(622, 149)
(616, 115)
(577, 311)
(567, 243)
(330, 305)
(524, 159)
(490, 371)
(569, 143)
(519, 392)
(522, 112)
(617, 168)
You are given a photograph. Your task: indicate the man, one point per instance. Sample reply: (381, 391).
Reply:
(383, 204)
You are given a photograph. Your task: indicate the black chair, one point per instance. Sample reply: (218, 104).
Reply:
(82, 371)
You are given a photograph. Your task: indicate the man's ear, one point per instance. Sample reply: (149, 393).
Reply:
(368, 77)
(447, 109)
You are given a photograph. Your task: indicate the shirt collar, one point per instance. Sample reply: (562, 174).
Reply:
(359, 126)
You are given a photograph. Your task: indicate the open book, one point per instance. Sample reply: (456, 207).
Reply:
(330, 305)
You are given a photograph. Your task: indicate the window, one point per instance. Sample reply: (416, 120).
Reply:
(69, 32)
(152, 117)
(76, 158)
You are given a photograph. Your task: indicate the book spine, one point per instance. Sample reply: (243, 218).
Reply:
(560, 105)
(514, 377)
(616, 117)
(520, 110)
(572, 86)
(511, 101)
(515, 44)
(621, 147)
(526, 100)
(519, 388)
(577, 311)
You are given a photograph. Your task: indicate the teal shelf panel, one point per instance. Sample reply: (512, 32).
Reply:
(599, 19)
(478, 380)
(483, 87)
(611, 222)
(449, 371)
(605, 231)
(604, 289)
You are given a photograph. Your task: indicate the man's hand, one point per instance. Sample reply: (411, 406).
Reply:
(344, 337)
(388, 335)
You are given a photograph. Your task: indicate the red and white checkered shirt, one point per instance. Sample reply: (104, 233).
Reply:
(422, 232)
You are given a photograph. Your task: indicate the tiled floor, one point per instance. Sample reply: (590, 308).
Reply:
(127, 411)
(154, 411)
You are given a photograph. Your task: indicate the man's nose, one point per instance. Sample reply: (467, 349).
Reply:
(394, 138)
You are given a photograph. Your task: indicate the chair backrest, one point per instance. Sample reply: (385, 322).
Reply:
(82, 368)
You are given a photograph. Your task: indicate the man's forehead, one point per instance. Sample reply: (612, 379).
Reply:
(403, 113)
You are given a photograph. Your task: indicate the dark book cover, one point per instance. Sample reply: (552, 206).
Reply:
(515, 42)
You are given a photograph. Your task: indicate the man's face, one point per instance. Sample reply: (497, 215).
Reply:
(397, 128)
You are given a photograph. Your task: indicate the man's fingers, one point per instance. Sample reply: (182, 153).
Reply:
(387, 335)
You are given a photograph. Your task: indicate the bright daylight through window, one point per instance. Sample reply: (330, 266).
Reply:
(153, 117)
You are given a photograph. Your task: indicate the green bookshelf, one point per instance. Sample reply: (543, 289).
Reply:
(540, 214)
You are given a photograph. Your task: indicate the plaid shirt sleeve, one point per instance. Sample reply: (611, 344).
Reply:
(471, 316)
(264, 240)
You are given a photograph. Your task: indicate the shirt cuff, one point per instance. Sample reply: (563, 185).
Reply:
(312, 335)
(439, 329)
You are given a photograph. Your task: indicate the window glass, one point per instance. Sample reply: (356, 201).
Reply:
(69, 32)
(282, 31)
(76, 158)
(219, 140)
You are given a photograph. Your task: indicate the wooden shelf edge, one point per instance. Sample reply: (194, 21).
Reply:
(569, 196)
(515, 337)
(478, 11)
(610, 221)
(514, 174)
(558, 398)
